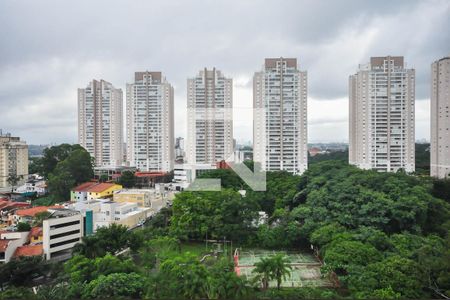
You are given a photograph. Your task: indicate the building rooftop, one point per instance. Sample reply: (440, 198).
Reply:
(36, 232)
(135, 191)
(272, 62)
(6, 204)
(62, 212)
(379, 60)
(84, 187)
(29, 250)
(150, 174)
(32, 211)
(100, 187)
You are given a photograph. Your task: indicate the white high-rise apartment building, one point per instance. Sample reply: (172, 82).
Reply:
(13, 160)
(381, 98)
(280, 116)
(210, 117)
(440, 118)
(150, 123)
(100, 125)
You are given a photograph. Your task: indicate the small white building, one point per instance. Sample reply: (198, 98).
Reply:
(35, 184)
(124, 213)
(106, 212)
(185, 174)
(61, 231)
(9, 242)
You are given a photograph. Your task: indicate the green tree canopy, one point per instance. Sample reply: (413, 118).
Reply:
(127, 179)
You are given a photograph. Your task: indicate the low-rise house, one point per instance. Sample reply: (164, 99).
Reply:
(80, 193)
(27, 215)
(103, 190)
(93, 190)
(7, 210)
(34, 184)
(36, 235)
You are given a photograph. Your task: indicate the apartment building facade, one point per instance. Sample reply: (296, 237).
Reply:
(61, 232)
(150, 122)
(210, 117)
(280, 116)
(440, 118)
(382, 116)
(13, 160)
(100, 132)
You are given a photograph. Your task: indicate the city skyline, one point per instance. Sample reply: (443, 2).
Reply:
(39, 79)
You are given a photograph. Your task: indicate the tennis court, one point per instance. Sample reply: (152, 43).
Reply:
(305, 268)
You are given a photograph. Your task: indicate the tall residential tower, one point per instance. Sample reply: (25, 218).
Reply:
(381, 117)
(210, 117)
(150, 127)
(13, 160)
(440, 118)
(100, 126)
(280, 116)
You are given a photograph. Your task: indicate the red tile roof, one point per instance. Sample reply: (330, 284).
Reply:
(84, 186)
(3, 245)
(150, 174)
(36, 232)
(11, 205)
(28, 250)
(100, 187)
(32, 211)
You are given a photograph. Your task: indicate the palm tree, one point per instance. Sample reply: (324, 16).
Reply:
(265, 269)
(281, 268)
(275, 267)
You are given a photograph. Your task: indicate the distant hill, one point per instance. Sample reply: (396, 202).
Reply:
(36, 150)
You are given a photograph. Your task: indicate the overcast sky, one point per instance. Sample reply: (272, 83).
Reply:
(48, 49)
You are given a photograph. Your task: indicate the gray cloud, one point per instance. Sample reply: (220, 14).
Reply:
(50, 48)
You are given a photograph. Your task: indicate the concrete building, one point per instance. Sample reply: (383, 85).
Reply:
(179, 149)
(381, 117)
(13, 160)
(124, 213)
(280, 116)
(100, 125)
(104, 213)
(61, 231)
(150, 124)
(210, 117)
(440, 118)
(152, 198)
(239, 156)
